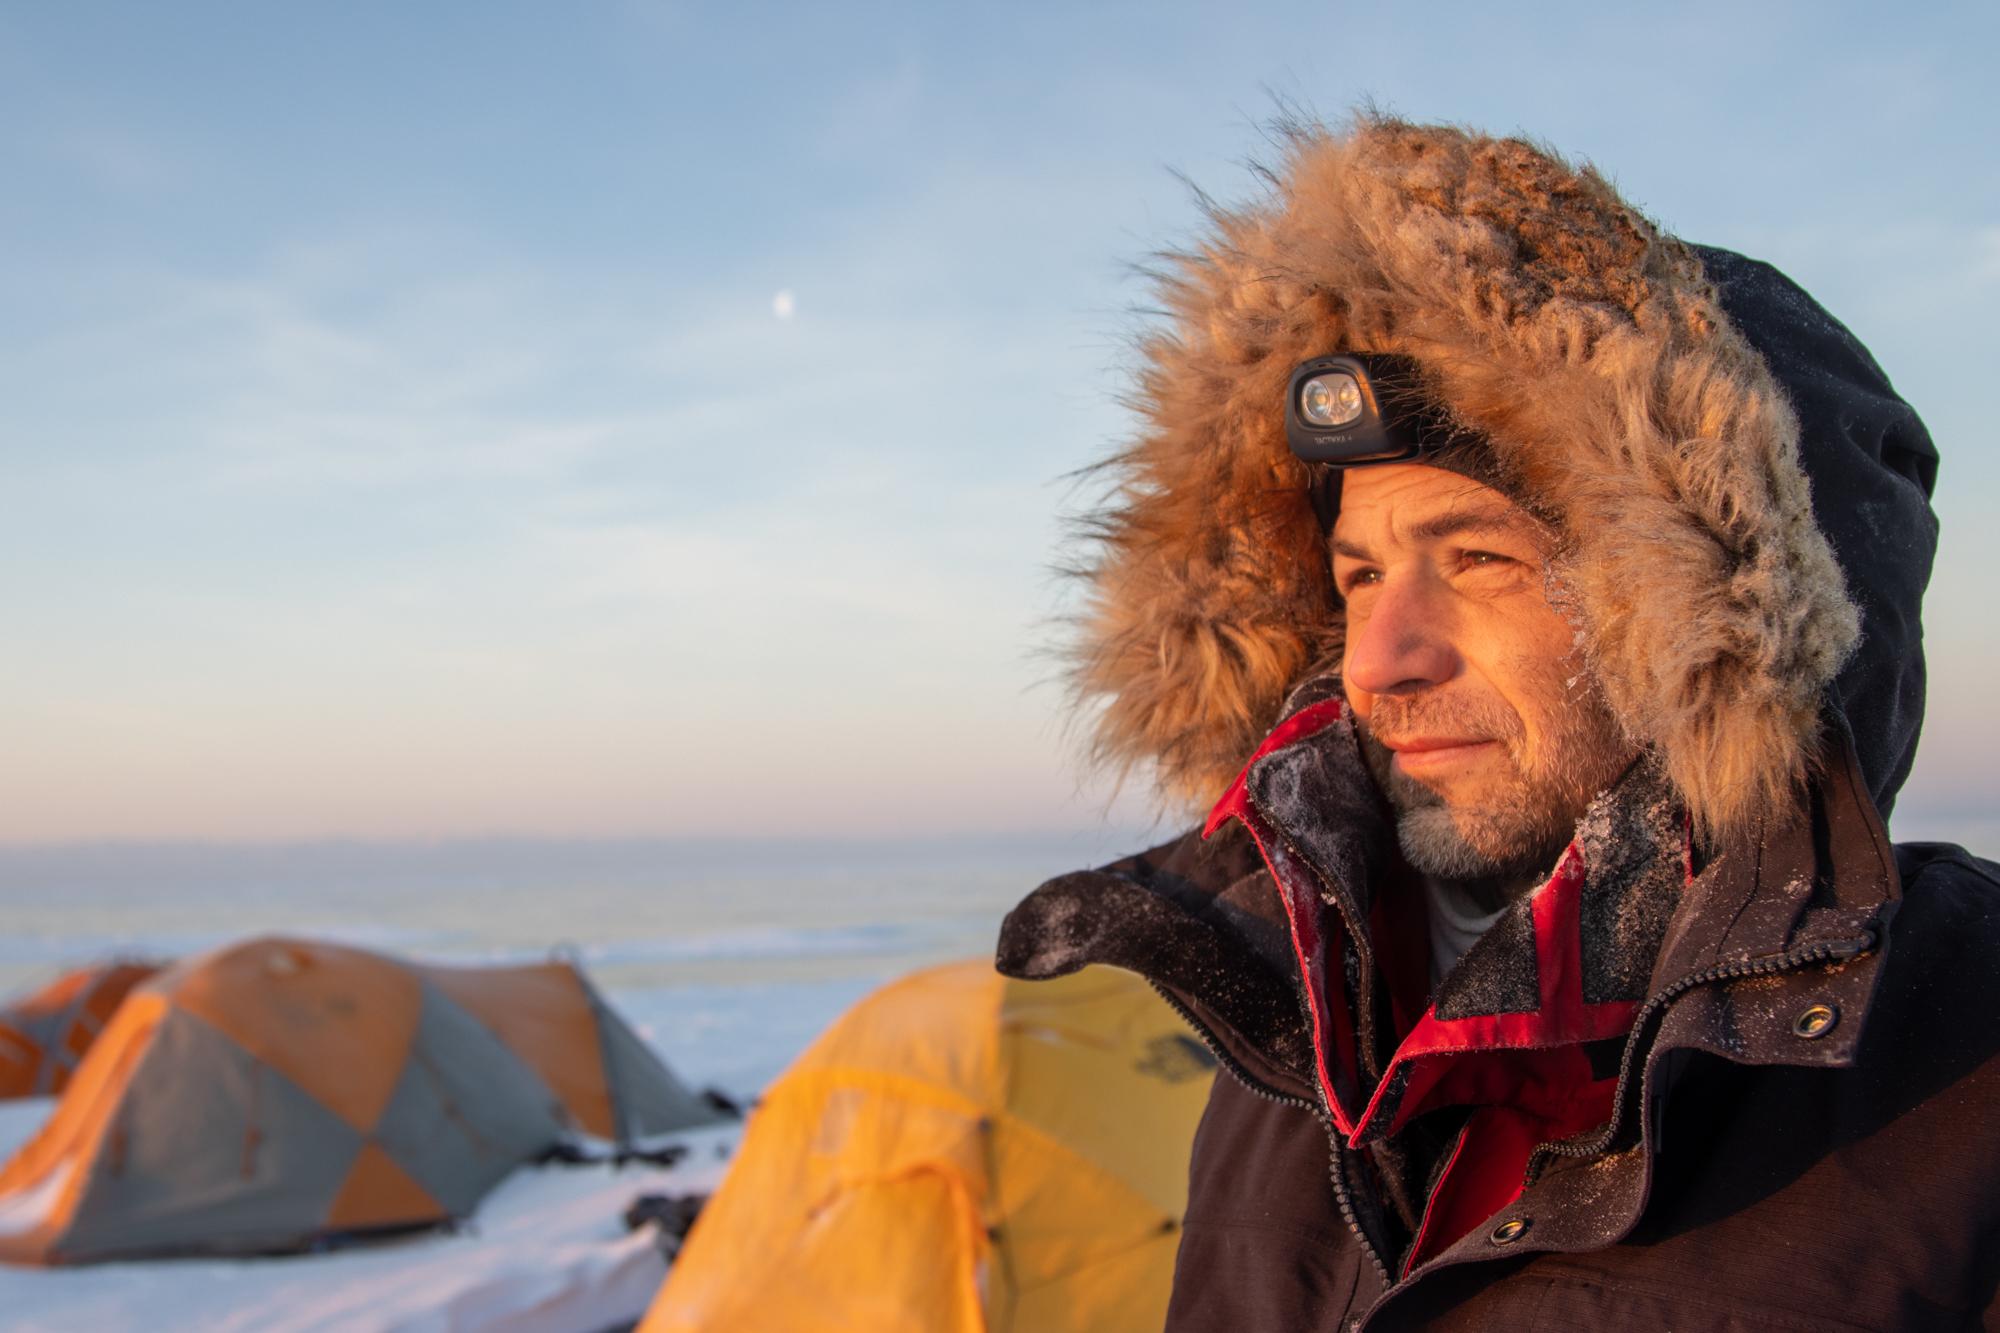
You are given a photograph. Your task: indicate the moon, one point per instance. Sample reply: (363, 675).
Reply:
(784, 305)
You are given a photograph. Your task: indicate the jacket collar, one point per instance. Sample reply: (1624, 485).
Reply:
(1821, 876)
(1563, 967)
(1823, 873)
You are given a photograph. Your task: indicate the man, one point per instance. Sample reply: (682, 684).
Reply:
(1531, 600)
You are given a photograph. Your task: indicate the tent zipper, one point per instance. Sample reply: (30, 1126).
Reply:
(1261, 1089)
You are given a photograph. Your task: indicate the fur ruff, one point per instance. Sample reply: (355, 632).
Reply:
(1593, 350)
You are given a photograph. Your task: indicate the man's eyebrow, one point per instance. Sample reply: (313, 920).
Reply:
(1451, 523)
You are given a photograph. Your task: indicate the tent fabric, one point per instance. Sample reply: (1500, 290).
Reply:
(959, 1153)
(44, 1034)
(278, 1094)
(613, 1084)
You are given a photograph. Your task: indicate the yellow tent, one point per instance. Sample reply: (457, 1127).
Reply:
(959, 1153)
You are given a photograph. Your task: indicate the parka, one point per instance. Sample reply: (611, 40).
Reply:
(1732, 1065)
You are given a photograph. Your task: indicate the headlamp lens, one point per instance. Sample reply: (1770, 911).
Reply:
(1331, 400)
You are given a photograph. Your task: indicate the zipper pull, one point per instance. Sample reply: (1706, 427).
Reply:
(1842, 950)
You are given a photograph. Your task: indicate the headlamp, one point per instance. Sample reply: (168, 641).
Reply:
(1334, 412)
(1357, 408)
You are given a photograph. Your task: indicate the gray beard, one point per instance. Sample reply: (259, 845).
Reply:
(1502, 851)
(1510, 841)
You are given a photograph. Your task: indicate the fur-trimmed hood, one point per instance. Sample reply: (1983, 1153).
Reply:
(1742, 497)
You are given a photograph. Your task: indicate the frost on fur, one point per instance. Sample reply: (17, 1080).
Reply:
(1713, 613)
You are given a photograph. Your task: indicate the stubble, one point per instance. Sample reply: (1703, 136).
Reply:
(1514, 820)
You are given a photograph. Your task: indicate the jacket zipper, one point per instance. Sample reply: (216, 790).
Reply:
(1335, 1169)
(1268, 1093)
(1829, 951)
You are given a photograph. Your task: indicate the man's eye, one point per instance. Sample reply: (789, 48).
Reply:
(1360, 578)
(1485, 559)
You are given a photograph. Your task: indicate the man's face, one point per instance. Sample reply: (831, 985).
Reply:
(1475, 711)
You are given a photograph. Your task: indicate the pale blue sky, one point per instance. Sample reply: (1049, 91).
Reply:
(398, 435)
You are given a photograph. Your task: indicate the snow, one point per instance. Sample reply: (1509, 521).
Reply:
(23, 1212)
(18, 1121)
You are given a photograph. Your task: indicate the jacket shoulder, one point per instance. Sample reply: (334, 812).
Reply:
(1936, 1016)
(1944, 862)
(1951, 899)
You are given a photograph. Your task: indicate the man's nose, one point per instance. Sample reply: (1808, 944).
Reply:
(1405, 642)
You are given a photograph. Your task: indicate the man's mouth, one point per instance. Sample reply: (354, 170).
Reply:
(1418, 756)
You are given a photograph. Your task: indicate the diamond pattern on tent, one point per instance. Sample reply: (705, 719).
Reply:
(648, 1098)
(337, 1021)
(467, 1110)
(535, 1010)
(378, 1193)
(211, 1150)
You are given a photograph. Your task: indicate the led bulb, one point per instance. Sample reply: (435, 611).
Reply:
(1331, 400)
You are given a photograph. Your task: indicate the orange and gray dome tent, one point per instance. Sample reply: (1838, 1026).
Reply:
(44, 1033)
(959, 1153)
(278, 1094)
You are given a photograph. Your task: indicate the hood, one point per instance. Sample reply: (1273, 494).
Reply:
(1742, 499)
